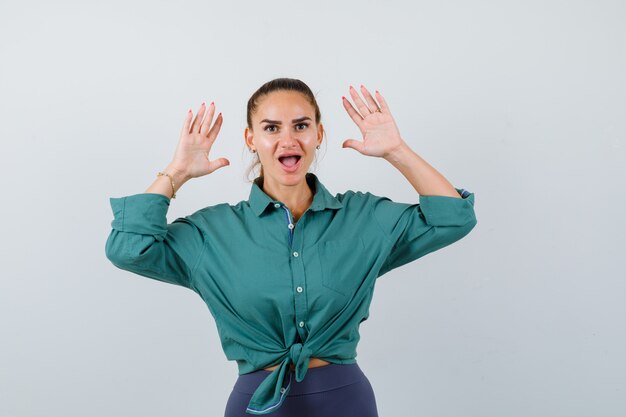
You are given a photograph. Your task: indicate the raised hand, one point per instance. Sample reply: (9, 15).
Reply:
(380, 132)
(192, 153)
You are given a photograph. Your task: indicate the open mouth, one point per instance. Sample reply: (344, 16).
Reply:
(290, 163)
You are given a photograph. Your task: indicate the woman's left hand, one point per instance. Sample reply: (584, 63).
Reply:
(380, 132)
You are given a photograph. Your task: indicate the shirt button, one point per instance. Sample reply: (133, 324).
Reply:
(282, 390)
(299, 289)
(295, 254)
(276, 205)
(290, 226)
(301, 324)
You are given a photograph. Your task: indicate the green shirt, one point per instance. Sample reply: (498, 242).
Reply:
(280, 292)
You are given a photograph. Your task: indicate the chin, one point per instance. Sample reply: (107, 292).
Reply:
(289, 178)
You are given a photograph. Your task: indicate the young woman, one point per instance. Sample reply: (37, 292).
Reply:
(289, 274)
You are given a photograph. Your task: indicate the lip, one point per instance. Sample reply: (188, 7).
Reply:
(293, 168)
(289, 154)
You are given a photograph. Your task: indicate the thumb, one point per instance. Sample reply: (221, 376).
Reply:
(354, 144)
(219, 163)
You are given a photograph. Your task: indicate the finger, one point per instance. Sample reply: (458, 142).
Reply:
(354, 115)
(359, 103)
(208, 119)
(218, 163)
(216, 128)
(195, 126)
(383, 103)
(354, 144)
(187, 122)
(370, 100)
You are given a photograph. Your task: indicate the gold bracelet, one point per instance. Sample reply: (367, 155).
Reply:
(171, 180)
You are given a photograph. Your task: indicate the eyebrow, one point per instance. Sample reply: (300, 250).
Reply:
(278, 122)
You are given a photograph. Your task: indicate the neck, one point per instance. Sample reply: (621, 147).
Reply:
(297, 197)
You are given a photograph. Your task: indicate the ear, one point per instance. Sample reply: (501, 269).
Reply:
(320, 134)
(248, 136)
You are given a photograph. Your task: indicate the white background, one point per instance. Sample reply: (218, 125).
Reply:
(522, 103)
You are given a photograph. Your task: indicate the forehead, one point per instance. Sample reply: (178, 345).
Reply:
(284, 106)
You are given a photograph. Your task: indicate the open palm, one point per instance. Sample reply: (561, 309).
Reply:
(379, 129)
(196, 139)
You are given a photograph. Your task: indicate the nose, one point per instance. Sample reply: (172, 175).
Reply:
(288, 140)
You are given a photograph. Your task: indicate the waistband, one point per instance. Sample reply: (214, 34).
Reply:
(318, 379)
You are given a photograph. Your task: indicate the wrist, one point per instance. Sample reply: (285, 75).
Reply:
(179, 176)
(397, 154)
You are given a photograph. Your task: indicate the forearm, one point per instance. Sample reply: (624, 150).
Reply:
(423, 177)
(163, 185)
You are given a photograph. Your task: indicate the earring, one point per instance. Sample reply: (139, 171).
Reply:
(317, 147)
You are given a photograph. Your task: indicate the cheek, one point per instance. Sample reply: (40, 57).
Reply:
(266, 155)
(265, 147)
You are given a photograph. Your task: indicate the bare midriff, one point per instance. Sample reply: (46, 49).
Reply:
(313, 363)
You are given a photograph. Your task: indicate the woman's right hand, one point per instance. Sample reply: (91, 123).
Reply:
(192, 153)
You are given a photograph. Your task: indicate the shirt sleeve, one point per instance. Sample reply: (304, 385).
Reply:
(414, 230)
(142, 242)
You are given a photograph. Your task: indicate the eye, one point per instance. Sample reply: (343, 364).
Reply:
(303, 124)
(265, 128)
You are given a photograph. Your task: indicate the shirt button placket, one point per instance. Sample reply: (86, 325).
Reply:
(297, 272)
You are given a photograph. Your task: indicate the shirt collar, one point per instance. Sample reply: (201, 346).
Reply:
(322, 199)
